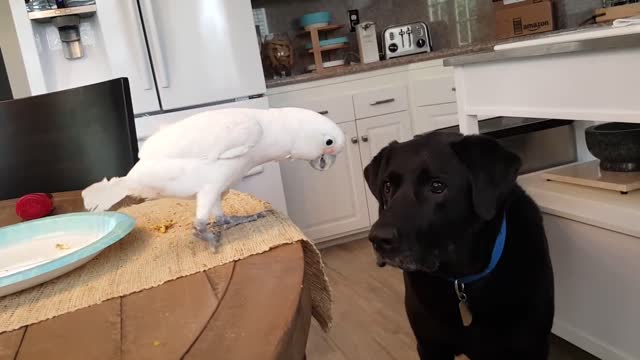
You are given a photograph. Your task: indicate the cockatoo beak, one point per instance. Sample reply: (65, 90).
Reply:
(323, 162)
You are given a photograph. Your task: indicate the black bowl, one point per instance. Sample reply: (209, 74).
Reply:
(616, 145)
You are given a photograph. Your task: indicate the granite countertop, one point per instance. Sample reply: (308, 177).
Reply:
(475, 48)
(382, 64)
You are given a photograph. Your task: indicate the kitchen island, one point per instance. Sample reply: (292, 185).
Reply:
(585, 75)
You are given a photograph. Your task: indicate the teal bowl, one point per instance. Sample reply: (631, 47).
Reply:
(334, 41)
(321, 17)
(37, 251)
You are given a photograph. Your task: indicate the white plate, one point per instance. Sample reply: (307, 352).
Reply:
(37, 251)
(327, 64)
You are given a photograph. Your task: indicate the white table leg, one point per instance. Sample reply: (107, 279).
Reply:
(468, 124)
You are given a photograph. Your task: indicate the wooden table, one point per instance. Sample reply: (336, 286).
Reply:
(255, 308)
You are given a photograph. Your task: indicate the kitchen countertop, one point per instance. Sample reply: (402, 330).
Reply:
(484, 49)
(382, 64)
(578, 40)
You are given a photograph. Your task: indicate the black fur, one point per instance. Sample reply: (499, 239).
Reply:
(434, 233)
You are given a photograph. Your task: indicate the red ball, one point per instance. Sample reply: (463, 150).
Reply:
(34, 206)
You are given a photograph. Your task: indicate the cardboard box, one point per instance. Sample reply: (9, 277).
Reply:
(523, 18)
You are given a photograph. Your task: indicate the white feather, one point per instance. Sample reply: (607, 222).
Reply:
(211, 151)
(102, 195)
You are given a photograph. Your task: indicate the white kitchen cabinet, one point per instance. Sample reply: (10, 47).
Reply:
(381, 101)
(376, 133)
(433, 117)
(324, 204)
(432, 90)
(338, 108)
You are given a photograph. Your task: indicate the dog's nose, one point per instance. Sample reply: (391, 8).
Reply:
(383, 237)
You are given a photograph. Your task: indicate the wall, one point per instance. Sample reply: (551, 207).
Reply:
(441, 16)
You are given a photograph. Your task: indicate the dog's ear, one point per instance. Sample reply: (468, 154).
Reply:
(493, 170)
(373, 171)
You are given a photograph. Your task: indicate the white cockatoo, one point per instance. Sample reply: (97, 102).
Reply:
(207, 153)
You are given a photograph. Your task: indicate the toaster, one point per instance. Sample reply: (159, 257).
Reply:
(407, 39)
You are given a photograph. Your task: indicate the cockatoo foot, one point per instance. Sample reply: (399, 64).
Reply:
(202, 231)
(228, 222)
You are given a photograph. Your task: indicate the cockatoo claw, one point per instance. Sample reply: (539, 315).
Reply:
(228, 222)
(202, 231)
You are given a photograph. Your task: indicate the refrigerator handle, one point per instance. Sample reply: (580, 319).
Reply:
(143, 66)
(154, 44)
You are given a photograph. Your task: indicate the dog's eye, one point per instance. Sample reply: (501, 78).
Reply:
(387, 187)
(437, 187)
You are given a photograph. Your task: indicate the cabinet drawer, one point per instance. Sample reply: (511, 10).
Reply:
(337, 108)
(429, 118)
(435, 90)
(380, 101)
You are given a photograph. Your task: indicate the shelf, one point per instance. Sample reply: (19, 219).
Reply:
(330, 47)
(598, 207)
(323, 28)
(46, 15)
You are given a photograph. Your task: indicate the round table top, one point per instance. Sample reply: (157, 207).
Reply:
(255, 308)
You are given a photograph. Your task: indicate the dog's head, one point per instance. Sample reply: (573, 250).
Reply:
(433, 192)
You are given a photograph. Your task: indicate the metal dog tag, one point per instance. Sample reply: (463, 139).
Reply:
(463, 307)
(465, 313)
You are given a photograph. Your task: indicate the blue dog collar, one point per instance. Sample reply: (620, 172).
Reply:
(495, 257)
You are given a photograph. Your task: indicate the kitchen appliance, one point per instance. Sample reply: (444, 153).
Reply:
(66, 18)
(406, 39)
(367, 42)
(176, 54)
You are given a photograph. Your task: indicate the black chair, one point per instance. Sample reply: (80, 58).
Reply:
(66, 140)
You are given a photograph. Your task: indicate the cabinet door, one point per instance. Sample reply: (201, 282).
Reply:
(332, 202)
(337, 108)
(203, 51)
(433, 90)
(126, 51)
(376, 133)
(429, 118)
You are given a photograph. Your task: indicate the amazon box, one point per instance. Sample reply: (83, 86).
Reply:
(525, 17)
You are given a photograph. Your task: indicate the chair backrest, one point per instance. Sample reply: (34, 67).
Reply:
(5, 87)
(66, 140)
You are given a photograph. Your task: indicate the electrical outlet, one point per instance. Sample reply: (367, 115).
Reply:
(354, 19)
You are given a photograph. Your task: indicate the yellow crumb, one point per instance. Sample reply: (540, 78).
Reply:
(62, 246)
(156, 343)
(164, 227)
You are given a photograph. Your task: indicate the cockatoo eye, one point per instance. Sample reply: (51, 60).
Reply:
(328, 141)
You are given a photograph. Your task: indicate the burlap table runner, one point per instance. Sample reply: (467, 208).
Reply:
(152, 255)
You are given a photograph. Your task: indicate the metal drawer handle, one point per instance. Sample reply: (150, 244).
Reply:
(354, 140)
(380, 102)
(323, 112)
(365, 138)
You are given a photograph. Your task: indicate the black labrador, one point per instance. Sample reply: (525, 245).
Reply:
(477, 272)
